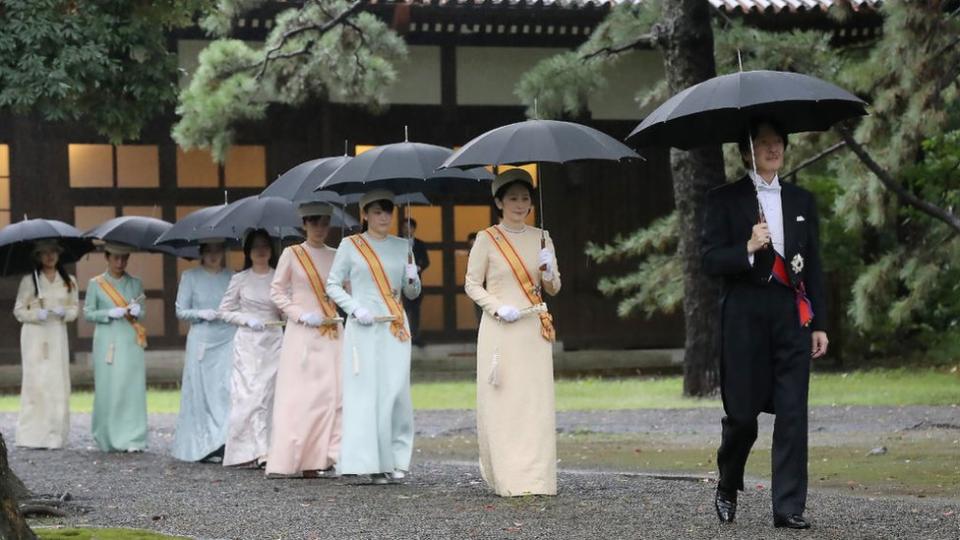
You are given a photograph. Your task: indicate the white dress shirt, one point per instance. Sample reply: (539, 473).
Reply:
(769, 196)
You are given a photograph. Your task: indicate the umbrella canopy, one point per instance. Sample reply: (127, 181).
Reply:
(139, 232)
(406, 198)
(179, 235)
(277, 216)
(539, 141)
(300, 183)
(720, 109)
(406, 167)
(17, 241)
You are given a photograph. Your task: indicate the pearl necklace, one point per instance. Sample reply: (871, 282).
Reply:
(514, 231)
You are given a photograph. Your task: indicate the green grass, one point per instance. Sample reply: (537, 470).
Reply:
(890, 387)
(876, 387)
(98, 534)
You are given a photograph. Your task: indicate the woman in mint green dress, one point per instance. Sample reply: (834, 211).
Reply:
(114, 302)
(377, 411)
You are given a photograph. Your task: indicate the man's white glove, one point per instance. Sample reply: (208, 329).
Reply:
(254, 323)
(412, 273)
(208, 314)
(59, 311)
(546, 262)
(363, 316)
(117, 312)
(311, 319)
(508, 313)
(42, 314)
(135, 310)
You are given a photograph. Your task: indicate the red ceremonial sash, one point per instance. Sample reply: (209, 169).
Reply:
(804, 308)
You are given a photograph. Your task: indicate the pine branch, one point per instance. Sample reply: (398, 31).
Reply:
(891, 184)
(319, 28)
(806, 163)
(646, 40)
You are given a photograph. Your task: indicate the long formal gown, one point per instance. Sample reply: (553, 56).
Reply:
(119, 374)
(516, 418)
(205, 391)
(255, 357)
(306, 410)
(44, 420)
(377, 408)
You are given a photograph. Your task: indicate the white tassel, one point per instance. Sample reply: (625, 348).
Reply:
(356, 362)
(494, 377)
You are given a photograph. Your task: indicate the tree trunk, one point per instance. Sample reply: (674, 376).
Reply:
(686, 39)
(12, 524)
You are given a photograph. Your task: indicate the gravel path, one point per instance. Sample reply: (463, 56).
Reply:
(449, 500)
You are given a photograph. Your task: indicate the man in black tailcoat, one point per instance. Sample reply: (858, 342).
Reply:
(762, 237)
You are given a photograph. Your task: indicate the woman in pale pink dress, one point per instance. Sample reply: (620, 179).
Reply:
(306, 413)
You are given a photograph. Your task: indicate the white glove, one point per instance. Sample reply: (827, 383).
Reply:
(42, 314)
(363, 316)
(59, 311)
(508, 313)
(134, 310)
(311, 319)
(254, 323)
(412, 273)
(546, 261)
(117, 312)
(208, 314)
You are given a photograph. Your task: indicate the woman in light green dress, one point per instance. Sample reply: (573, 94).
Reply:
(114, 302)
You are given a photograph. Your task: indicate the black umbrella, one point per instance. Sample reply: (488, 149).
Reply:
(406, 167)
(17, 241)
(277, 216)
(539, 141)
(300, 183)
(179, 235)
(139, 232)
(404, 198)
(720, 109)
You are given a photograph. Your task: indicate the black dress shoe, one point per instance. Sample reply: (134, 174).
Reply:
(726, 505)
(793, 521)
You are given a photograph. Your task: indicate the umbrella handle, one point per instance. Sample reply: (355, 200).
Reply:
(543, 245)
(410, 261)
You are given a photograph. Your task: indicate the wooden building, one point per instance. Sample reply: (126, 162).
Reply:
(465, 60)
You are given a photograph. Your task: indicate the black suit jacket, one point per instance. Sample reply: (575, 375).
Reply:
(420, 256)
(731, 213)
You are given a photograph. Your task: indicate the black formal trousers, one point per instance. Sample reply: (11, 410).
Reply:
(766, 367)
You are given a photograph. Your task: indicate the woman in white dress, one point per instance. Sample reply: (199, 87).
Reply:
(46, 301)
(256, 352)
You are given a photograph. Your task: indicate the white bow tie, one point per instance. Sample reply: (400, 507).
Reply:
(763, 186)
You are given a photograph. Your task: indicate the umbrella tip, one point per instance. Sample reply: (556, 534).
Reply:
(346, 147)
(536, 108)
(406, 133)
(224, 196)
(739, 60)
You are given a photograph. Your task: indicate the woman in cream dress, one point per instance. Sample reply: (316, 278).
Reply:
(46, 301)
(256, 351)
(515, 400)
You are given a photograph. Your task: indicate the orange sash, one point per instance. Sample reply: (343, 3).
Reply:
(119, 301)
(383, 285)
(523, 279)
(319, 290)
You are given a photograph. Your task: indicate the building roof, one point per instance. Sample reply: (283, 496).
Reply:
(776, 6)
